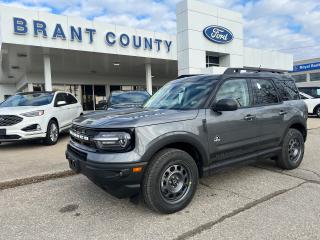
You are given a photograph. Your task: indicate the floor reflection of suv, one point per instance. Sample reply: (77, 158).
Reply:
(36, 115)
(189, 129)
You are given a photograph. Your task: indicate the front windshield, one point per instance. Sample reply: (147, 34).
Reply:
(30, 99)
(182, 95)
(129, 98)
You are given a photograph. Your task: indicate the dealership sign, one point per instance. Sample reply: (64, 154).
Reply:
(218, 34)
(39, 28)
(306, 67)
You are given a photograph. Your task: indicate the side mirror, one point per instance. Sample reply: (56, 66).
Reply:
(227, 104)
(61, 103)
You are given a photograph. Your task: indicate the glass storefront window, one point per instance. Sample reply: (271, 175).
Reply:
(315, 76)
(300, 77)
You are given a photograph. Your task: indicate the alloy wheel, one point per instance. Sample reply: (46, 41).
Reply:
(175, 183)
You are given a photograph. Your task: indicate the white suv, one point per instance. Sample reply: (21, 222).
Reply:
(37, 115)
(312, 103)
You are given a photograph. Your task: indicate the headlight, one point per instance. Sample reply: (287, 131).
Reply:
(33, 113)
(114, 141)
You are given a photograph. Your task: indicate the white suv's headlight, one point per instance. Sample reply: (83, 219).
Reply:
(114, 141)
(33, 113)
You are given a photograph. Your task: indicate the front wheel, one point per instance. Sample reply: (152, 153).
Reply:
(292, 150)
(170, 181)
(52, 133)
(317, 111)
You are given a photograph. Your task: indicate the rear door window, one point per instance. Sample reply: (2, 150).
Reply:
(287, 90)
(264, 92)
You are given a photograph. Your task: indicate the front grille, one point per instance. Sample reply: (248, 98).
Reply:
(10, 137)
(9, 120)
(90, 133)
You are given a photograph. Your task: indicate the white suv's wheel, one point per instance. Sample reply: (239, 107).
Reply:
(52, 133)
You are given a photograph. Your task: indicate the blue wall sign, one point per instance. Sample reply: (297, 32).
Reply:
(306, 67)
(218, 34)
(21, 27)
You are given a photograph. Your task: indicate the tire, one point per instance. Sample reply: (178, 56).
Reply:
(292, 150)
(170, 181)
(317, 111)
(52, 133)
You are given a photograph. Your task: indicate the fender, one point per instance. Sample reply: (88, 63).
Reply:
(295, 120)
(176, 137)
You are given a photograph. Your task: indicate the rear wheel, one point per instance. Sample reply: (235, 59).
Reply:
(292, 150)
(170, 181)
(52, 133)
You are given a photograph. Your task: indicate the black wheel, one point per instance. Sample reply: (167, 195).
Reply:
(52, 133)
(317, 111)
(170, 181)
(292, 150)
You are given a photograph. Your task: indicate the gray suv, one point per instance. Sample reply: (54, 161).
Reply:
(191, 128)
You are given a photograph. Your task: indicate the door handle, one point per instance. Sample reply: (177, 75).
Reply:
(249, 117)
(283, 112)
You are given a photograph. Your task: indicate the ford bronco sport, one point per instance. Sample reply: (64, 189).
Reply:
(190, 128)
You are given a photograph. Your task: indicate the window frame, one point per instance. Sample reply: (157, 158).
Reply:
(218, 87)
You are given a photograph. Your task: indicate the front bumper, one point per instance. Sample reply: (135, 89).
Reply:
(116, 178)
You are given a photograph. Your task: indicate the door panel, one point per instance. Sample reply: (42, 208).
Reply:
(270, 112)
(235, 133)
(230, 135)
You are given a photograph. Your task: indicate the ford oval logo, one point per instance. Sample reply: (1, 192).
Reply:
(218, 34)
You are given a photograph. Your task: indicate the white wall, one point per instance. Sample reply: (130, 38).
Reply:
(267, 59)
(7, 89)
(192, 18)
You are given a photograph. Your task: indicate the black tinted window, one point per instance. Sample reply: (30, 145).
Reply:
(287, 90)
(61, 97)
(236, 89)
(264, 92)
(71, 99)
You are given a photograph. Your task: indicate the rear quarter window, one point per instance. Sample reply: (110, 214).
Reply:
(287, 90)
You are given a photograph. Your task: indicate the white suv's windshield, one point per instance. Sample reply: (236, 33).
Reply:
(29, 99)
(182, 95)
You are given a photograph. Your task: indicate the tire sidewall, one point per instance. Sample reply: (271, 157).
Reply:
(176, 157)
(292, 133)
(48, 139)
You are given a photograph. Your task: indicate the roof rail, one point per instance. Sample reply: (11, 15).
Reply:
(188, 75)
(252, 70)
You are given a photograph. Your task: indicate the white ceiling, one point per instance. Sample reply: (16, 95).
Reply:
(69, 61)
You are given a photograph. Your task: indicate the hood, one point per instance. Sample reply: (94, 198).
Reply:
(133, 118)
(125, 105)
(20, 110)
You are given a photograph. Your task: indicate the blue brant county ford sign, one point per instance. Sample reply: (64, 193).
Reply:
(80, 34)
(218, 34)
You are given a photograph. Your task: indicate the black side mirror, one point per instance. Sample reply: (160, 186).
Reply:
(227, 104)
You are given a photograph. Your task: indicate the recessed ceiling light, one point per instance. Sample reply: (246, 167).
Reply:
(15, 67)
(10, 76)
(22, 55)
(116, 64)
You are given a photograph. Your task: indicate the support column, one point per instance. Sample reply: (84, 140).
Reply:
(308, 77)
(149, 78)
(47, 73)
(30, 87)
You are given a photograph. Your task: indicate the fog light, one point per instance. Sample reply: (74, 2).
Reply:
(31, 128)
